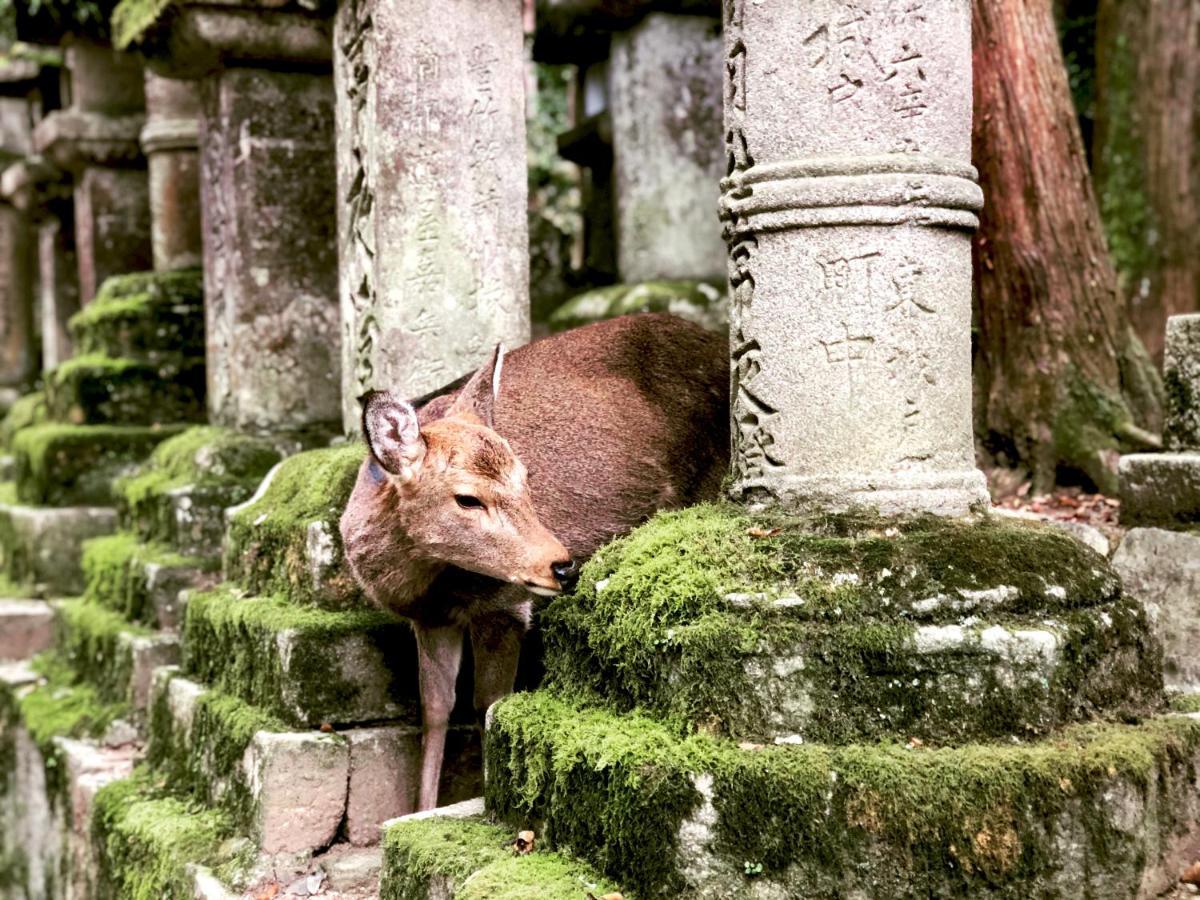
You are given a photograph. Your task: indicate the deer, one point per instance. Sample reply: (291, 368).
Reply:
(471, 501)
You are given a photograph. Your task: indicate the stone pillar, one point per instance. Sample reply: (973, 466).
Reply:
(18, 354)
(432, 190)
(665, 95)
(170, 141)
(848, 210)
(96, 139)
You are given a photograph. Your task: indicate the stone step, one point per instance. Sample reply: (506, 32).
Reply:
(179, 495)
(293, 791)
(1160, 489)
(26, 628)
(1096, 810)
(455, 853)
(65, 465)
(342, 872)
(101, 390)
(143, 581)
(143, 315)
(285, 539)
(43, 546)
(110, 653)
(850, 628)
(306, 666)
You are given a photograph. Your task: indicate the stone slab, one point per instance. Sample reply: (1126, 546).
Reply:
(26, 628)
(1181, 382)
(299, 784)
(1162, 570)
(1159, 488)
(44, 545)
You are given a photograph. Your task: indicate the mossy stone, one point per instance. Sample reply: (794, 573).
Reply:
(287, 539)
(28, 410)
(67, 465)
(93, 642)
(851, 627)
(472, 859)
(695, 301)
(145, 316)
(96, 389)
(1084, 813)
(115, 571)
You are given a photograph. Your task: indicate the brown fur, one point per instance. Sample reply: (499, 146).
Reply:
(593, 431)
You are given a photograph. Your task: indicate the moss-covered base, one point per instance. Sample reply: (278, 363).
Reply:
(471, 859)
(108, 652)
(67, 465)
(1090, 812)
(303, 665)
(144, 316)
(96, 390)
(287, 541)
(179, 495)
(851, 627)
(140, 581)
(145, 838)
(26, 411)
(695, 301)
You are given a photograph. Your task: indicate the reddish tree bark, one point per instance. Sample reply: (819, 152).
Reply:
(1147, 155)
(1063, 385)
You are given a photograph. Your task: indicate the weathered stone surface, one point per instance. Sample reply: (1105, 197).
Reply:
(170, 141)
(147, 316)
(1181, 379)
(58, 277)
(18, 356)
(665, 98)
(850, 255)
(432, 188)
(98, 390)
(267, 192)
(695, 301)
(112, 225)
(74, 139)
(1162, 570)
(104, 81)
(1159, 488)
(1101, 810)
(385, 768)
(44, 546)
(26, 628)
(298, 782)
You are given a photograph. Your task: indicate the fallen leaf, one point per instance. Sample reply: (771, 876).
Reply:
(592, 896)
(267, 892)
(326, 728)
(749, 745)
(763, 532)
(524, 843)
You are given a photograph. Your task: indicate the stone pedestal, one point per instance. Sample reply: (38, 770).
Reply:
(96, 139)
(170, 140)
(432, 191)
(665, 101)
(18, 352)
(848, 211)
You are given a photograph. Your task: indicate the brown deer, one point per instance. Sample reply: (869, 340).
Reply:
(467, 504)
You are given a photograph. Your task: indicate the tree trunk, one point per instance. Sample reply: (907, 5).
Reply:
(1063, 385)
(1147, 155)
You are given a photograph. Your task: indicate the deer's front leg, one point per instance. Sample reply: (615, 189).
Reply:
(496, 642)
(439, 654)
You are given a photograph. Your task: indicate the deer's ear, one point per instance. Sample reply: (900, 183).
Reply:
(480, 394)
(391, 429)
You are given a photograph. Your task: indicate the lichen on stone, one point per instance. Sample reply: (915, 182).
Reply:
(114, 568)
(269, 538)
(90, 641)
(95, 389)
(145, 316)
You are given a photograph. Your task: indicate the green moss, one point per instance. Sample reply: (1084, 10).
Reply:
(28, 410)
(681, 617)
(149, 838)
(145, 316)
(268, 540)
(304, 665)
(204, 760)
(91, 641)
(114, 568)
(475, 857)
(219, 465)
(898, 820)
(96, 389)
(65, 465)
(1184, 703)
(693, 300)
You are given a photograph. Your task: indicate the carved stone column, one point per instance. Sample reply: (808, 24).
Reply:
(432, 191)
(96, 139)
(170, 141)
(848, 210)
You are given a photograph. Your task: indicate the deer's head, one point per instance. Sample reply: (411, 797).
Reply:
(458, 492)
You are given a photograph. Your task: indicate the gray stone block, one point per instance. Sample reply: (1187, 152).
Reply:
(26, 628)
(1181, 379)
(1159, 488)
(1162, 570)
(44, 545)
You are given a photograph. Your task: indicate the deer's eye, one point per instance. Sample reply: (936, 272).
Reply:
(466, 501)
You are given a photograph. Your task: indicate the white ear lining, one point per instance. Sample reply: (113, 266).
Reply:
(496, 372)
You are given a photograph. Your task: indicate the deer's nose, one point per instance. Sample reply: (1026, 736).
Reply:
(566, 573)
